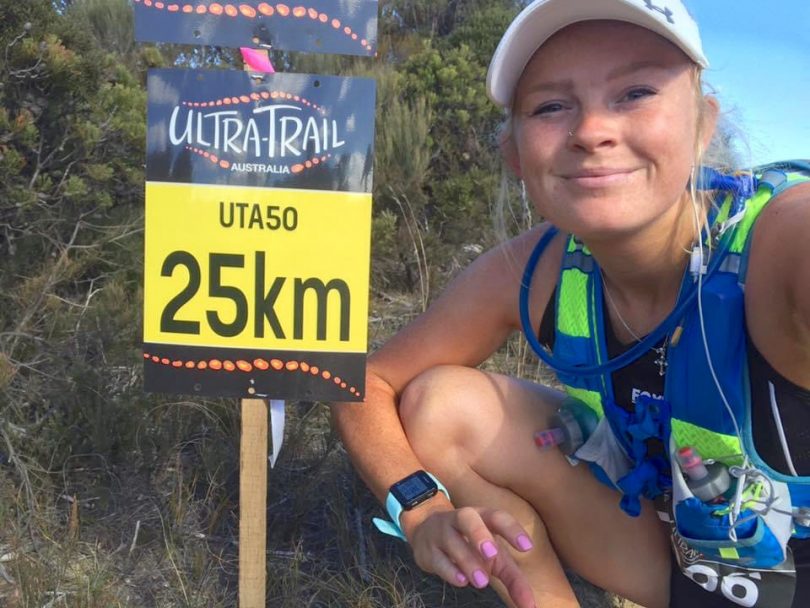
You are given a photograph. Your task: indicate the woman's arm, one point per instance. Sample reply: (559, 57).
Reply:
(778, 285)
(464, 326)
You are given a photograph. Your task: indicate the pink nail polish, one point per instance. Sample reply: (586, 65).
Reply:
(489, 549)
(480, 579)
(524, 543)
(462, 580)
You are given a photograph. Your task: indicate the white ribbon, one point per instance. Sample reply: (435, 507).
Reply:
(277, 427)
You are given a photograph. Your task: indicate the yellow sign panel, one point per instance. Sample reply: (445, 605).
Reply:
(257, 268)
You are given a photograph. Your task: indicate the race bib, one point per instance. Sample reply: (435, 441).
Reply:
(749, 587)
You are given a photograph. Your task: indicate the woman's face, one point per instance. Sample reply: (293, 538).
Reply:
(605, 128)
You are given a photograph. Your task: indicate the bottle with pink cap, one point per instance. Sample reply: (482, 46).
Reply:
(708, 481)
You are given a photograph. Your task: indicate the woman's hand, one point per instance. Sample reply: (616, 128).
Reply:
(459, 546)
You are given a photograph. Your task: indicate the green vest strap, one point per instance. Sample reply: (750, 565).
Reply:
(592, 399)
(710, 445)
(573, 320)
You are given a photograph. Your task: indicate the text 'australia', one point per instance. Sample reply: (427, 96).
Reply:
(273, 131)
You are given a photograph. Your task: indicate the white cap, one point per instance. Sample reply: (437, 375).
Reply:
(543, 18)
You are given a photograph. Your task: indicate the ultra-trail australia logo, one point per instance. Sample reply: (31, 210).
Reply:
(287, 136)
(287, 130)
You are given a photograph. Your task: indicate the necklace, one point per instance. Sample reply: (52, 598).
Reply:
(660, 351)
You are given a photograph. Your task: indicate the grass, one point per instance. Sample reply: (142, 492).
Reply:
(153, 521)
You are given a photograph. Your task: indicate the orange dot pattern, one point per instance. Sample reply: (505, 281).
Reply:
(313, 162)
(262, 9)
(257, 365)
(253, 97)
(212, 157)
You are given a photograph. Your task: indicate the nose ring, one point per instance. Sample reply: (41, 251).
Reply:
(570, 133)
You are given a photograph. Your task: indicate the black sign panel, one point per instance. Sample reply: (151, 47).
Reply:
(347, 27)
(280, 130)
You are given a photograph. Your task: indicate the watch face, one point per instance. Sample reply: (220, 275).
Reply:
(414, 489)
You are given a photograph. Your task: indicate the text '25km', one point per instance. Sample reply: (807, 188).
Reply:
(265, 298)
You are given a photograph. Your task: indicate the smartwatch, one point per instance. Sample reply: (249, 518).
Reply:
(406, 494)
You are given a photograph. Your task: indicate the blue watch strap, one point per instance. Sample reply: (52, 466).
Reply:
(392, 527)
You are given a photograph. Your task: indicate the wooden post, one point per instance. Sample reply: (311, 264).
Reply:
(253, 501)
(253, 504)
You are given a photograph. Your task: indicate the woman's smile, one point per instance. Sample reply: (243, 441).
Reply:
(595, 179)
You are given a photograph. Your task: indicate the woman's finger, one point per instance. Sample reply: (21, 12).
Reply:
(444, 567)
(438, 548)
(466, 558)
(514, 579)
(503, 524)
(471, 525)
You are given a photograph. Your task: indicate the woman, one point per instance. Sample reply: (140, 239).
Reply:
(607, 124)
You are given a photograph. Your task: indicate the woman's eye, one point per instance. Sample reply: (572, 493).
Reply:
(547, 108)
(638, 93)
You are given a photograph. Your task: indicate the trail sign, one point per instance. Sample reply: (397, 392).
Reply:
(346, 27)
(258, 227)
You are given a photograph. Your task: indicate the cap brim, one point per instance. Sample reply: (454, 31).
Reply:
(539, 22)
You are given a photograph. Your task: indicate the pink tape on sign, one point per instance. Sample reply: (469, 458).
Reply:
(257, 60)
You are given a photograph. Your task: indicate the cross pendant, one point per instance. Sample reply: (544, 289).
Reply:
(661, 361)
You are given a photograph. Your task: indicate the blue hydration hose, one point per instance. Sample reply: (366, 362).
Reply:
(740, 186)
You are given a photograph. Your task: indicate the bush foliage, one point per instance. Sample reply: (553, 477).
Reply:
(109, 497)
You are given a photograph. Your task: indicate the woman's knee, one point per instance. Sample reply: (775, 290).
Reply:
(445, 404)
(429, 400)
(462, 412)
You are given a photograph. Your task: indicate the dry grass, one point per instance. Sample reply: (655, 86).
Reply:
(157, 525)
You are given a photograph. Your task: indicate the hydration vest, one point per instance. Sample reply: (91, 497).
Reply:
(694, 412)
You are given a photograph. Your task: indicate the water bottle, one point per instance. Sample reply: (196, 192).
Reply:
(707, 481)
(569, 427)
